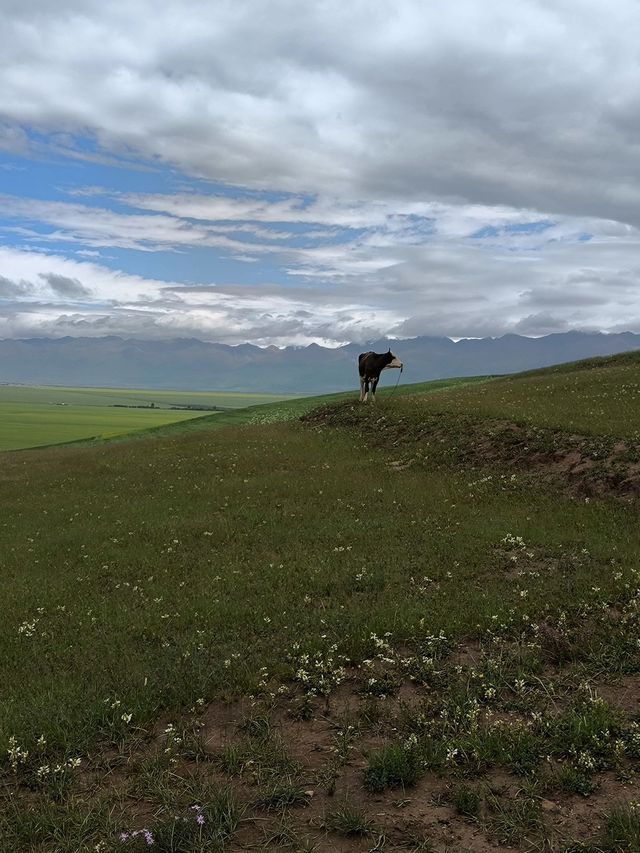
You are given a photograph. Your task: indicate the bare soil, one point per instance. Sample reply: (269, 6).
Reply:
(399, 819)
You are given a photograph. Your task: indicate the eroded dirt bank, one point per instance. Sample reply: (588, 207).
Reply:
(586, 465)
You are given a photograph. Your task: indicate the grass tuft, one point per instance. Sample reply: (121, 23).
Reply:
(467, 800)
(393, 766)
(348, 819)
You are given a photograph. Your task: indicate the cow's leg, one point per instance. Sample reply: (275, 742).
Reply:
(374, 385)
(361, 389)
(366, 389)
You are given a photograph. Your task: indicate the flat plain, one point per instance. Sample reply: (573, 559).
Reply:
(32, 416)
(332, 627)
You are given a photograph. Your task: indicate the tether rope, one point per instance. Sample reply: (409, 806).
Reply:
(396, 385)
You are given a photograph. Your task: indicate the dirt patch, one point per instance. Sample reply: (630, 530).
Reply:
(492, 775)
(309, 743)
(221, 721)
(468, 653)
(330, 753)
(580, 818)
(624, 693)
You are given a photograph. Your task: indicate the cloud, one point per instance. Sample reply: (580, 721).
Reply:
(12, 289)
(540, 324)
(527, 105)
(439, 289)
(114, 303)
(401, 168)
(64, 286)
(104, 227)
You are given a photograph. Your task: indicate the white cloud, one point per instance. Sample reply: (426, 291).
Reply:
(51, 295)
(443, 287)
(399, 130)
(145, 232)
(528, 104)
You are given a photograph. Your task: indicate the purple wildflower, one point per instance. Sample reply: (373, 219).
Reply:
(148, 835)
(200, 819)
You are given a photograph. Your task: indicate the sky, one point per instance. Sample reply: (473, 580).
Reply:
(291, 173)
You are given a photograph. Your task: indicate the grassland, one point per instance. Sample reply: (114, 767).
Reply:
(323, 635)
(54, 394)
(32, 416)
(600, 396)
(38, 416)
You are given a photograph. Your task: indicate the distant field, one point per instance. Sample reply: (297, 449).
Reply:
(51, 394)
(33, 416)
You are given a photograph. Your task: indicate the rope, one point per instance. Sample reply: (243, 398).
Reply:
(393, 391)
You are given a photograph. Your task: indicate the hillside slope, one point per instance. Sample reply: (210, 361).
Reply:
(578, 424)
(364, 631)
(596, 396)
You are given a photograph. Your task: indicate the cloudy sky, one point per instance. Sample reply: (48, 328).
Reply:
(284, 172)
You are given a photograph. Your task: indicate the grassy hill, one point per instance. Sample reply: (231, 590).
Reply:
(598, 396)
(401, 627)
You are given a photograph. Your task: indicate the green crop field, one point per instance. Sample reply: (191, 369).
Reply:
(408, 626)
(32, 416)
(53, 394)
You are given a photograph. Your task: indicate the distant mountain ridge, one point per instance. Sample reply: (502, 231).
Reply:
(193, 364)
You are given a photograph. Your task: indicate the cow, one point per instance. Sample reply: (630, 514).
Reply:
(370, 366)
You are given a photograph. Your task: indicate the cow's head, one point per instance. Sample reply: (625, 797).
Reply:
(392, 360)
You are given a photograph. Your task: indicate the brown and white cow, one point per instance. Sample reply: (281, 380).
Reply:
(370, 366)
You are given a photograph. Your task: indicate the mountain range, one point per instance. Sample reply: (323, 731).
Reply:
(189, 363)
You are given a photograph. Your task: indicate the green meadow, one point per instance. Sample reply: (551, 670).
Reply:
(598, 396)
(319, 626)
(53, 394)
(32, 416)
